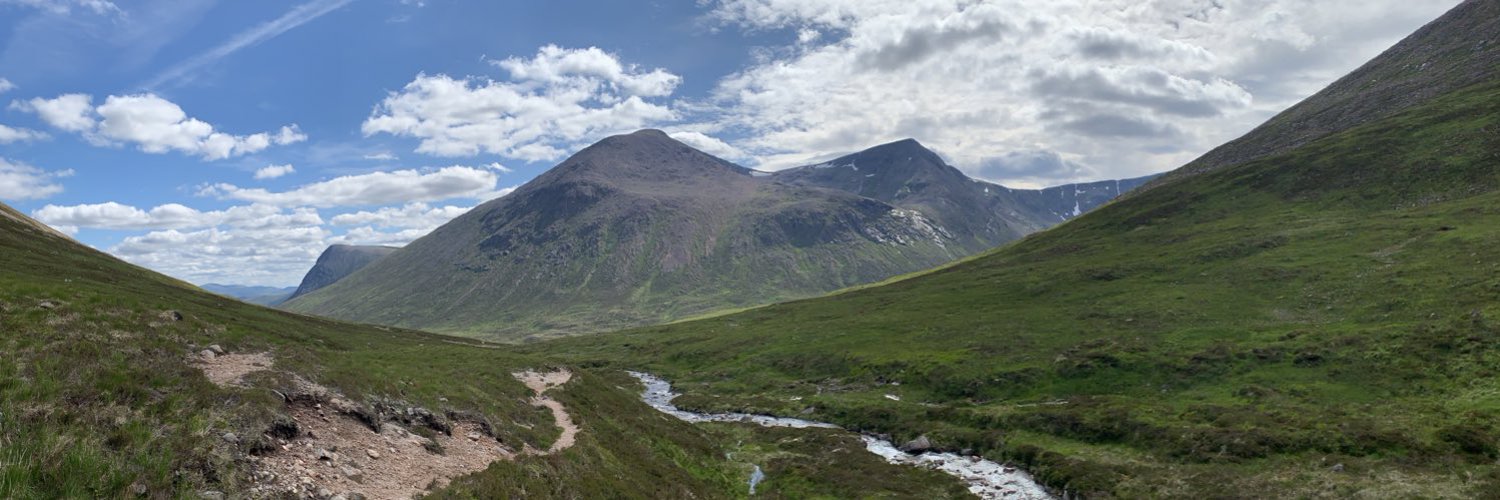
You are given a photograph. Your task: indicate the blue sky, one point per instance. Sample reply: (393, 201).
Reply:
(231, 142)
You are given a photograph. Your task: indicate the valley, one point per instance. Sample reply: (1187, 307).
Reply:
(1308, 310)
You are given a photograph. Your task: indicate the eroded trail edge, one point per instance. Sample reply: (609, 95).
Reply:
(330, 447)
(986, 479)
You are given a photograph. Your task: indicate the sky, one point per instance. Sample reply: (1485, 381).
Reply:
(231, 142)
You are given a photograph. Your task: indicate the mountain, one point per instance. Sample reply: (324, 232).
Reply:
(636, 229)
(979, 214)
(337, 262)
(1404, 76)
(258, 295)
(1316, 319)
(642, 229)
(105, 393)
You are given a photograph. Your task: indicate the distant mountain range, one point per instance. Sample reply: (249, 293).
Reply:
(337, 262)
(641, 229)
(260, 295)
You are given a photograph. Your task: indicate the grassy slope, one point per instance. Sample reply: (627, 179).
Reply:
(1236, 332)
(97, 398)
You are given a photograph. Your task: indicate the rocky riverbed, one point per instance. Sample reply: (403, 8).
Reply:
(986, 479)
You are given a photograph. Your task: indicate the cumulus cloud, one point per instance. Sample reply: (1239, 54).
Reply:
(151, 123)
(6, 86)
(112, 215)
(253, 244)
(409, 216)
(19, 181)
(274, 171)
(267, 256)
(378, 188)
(11, 134)
(1118, 87)
(709, 144)
(551, 103)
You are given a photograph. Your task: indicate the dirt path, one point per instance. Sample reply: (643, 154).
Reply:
(541, 383)
(328, 452)
(226, 370)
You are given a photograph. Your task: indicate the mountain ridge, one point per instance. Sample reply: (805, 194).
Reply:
(336, 263)
(636, 228)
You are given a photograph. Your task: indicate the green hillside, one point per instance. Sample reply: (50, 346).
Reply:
(101, 397)
(1320, 322)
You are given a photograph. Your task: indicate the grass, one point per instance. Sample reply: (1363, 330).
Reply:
(98, 398)
(1243, 330)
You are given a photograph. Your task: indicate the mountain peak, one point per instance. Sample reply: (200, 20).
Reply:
(648, 158)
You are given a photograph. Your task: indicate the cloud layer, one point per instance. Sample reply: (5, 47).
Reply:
(1112, 88)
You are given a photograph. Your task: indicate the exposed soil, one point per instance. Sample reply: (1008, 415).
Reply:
(336, 454)
(330, 453)
(541, 383)
(228, 369)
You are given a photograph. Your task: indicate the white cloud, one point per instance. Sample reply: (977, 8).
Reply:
(709, 144)
(496, 166)
(381, 156)
(410, 216)
(6, 86)
(371, 236)
(19, 181)
(112, 215)
(1118, 87)
(378, 188)
(152, 123)
(552, 103)
(70, 112)
(275, 256)
(298, 16)
(9, 135)
(274, 171)
(252, 244)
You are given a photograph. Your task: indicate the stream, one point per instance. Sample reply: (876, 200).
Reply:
(986, 479)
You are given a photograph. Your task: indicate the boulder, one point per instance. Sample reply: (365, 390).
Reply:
(216, 349)
(917, 445)
(352, 473)
(170, 316)
(207, 355)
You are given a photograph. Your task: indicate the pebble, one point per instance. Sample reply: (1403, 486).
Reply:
(373, 454)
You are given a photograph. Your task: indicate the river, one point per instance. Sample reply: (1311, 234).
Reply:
(986, 479)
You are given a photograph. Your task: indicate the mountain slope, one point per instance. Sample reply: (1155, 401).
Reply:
(336, 263)
(1318, 322)
(634, 230)
(103, 395)
(642, 229)
(1456, 51)
(979, 214)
